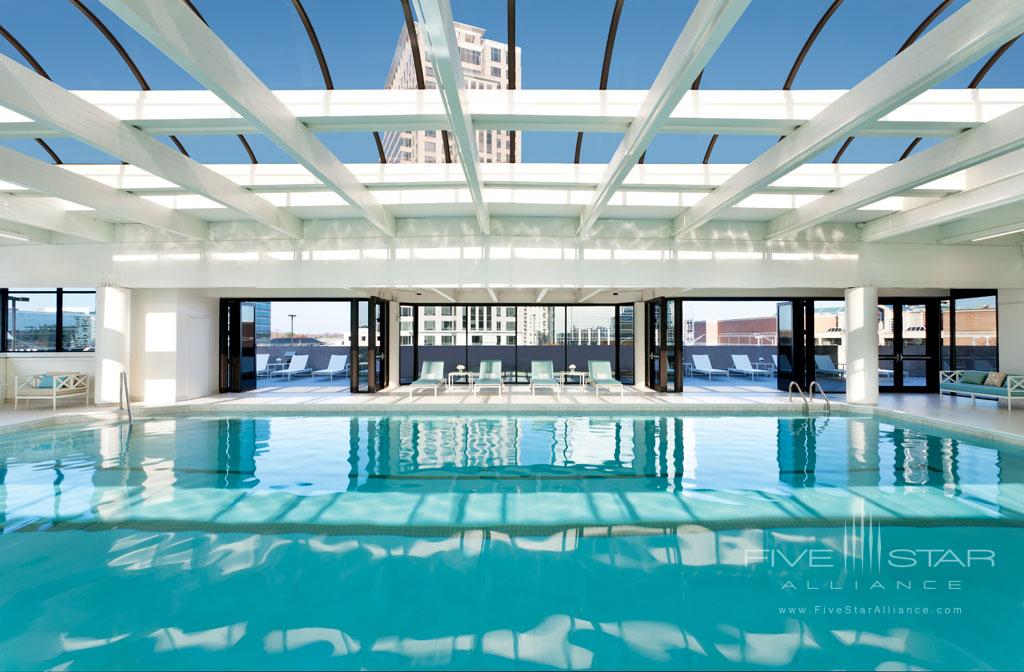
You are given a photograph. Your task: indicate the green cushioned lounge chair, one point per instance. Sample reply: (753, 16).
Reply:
(542, 374)
(489, 376)
(600, 374)
(431, 377)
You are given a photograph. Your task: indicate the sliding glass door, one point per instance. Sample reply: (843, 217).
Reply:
(664, 345)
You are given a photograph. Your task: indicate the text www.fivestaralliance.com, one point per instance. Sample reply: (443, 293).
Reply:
(869, 610)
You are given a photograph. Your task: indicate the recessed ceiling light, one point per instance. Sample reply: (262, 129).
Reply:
(997, 235)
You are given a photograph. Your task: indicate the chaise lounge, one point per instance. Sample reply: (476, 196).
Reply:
(702, 365)
(741, 364)
(973, 384)
(335, 367)
(489, 377)
(600, 374)
(431, 377)
(542, 374)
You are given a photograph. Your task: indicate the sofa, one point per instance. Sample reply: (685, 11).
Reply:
(972, 384)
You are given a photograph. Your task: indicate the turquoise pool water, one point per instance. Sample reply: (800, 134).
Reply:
(531, 541)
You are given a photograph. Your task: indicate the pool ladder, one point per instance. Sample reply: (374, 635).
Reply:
(125, 400)
(808, 398)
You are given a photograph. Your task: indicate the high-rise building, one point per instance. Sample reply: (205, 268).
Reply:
(484, 66)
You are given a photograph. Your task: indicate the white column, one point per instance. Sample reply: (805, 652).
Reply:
(393, 344)
(1011, 326)
(862, 345)
(639, 345)
(113, 341)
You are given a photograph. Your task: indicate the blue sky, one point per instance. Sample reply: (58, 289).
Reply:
(562, 41)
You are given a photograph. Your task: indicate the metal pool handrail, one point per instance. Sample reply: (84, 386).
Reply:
(125, 400)
(810, 391)
(803, 397)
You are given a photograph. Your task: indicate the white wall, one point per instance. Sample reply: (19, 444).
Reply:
(461, 261)
(1011, 330)
(113, 342)
(174, 345)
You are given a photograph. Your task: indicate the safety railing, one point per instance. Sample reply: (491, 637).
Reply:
(125, 401)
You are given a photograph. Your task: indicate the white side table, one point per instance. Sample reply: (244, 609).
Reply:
(468, 376)
(566, 375)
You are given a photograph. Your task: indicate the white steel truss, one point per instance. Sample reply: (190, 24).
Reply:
(951, 186)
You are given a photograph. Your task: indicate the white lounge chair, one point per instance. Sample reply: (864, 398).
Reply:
(296, 367)
(823, 365)
(335, 367)
(490, 376)
(431, 378)
(261, 366)
(600, 374)
(702, 365)
(542, 374)
(741, 364)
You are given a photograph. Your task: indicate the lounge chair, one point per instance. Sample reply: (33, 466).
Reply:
(490, 376)
(542, 374)
(335, 367)
(702, 365)
(261, 366)
(741, 364)
(296, 367)
(431, 377)
(823, 365)
(600, 374)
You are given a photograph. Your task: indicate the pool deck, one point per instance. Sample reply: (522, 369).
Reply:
(983, 418)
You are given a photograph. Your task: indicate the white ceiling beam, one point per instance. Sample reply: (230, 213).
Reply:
(491, 293)
(110, 203)
(936, 112)
(443, 50)
(704, 31)
(178, 32)
(1009, 191)
(583, 298)
(37, 97)
(955, 233)
(50, 214)
(541, 294)
(957, 42)
(812, 178)
(988, 141)
(23, 234)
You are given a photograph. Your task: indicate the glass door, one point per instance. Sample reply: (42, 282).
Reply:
(237, 346)
(795, 341)
(909, 345)
(664, 345)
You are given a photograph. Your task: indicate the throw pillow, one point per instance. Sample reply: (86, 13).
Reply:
(995, 379)
(45, 382)
(973, 377)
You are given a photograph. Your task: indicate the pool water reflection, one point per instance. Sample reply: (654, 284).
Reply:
(508, 541)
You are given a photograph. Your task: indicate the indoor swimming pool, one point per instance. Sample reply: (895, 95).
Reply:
(509, 541)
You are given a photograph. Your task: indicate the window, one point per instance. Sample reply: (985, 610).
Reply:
(78, 321)
(406, 341)
(476, 340)
(406, 311)
(495, 71)
(510, 311)
(428, 310)
(447, 311)
(447, 340)
(496, 54)
(429, 134)
(48, 320)
(430, 146)
(470, 56)
(429, 325)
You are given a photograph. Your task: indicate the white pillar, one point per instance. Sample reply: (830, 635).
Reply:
(862, 345)
(113, 341)
(639, 345)
(394, 324)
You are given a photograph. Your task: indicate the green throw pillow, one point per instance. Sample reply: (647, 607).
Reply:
(974, 377)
